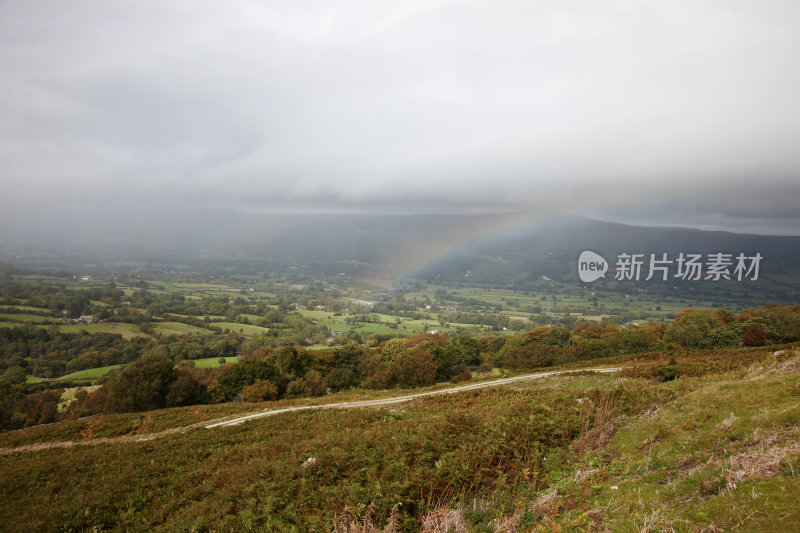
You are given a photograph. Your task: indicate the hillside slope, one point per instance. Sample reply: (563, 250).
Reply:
(716, 449)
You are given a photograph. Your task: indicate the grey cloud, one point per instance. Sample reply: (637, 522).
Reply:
(609, 108)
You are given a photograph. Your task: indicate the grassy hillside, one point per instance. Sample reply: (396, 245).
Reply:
(717, 449)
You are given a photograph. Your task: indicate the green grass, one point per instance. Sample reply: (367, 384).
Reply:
(93, 374)
(246, 329)
(251, 316)
(128, 331)
(212, 362)
(316, 315)
(90, 374)
(21, 317)
(179, 328)
(25, 308)
(569, 298)
(686, 452)
(405, 328)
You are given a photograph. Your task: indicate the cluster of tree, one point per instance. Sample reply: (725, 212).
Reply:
(200, 347)
(692, 329)
(156, 381)
(46, 352)
(18, 407)
(164, 375)
(151, 382)
(55, 299)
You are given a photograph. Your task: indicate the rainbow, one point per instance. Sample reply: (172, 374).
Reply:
(448, 242)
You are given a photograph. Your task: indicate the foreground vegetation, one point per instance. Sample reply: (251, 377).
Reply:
(715, 449)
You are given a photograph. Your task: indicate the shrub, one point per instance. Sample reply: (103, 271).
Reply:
(669, 371)
(297, 388)
(246, 373)
(631, 340)
(460, 373)
(596, 348)
(261, 390)
(339, 378)
(416, 369)
(692, 329)
(152, 382)
(754, 335)
(530, 356)
(186, 390)
(142, 386)
(315, 383)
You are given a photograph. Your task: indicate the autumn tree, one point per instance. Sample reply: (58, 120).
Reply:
(416, 369)
(260, 390)
(315, 383)
(754, 335)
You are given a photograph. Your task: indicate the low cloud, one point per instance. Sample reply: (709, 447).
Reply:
(649, 112)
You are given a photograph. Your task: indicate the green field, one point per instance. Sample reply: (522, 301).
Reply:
(406, 326)
(21, 317)
(246, 329)
(25, 308)
(212, 362)
(557, 298)
(315, 315)
(128, 331)
(540, 302)
(249, 316)
(179, 328)
(89, 373)
(92, 374)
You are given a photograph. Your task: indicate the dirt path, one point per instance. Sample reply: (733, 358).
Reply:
(228, 422)
(105, 440)
(399, 399)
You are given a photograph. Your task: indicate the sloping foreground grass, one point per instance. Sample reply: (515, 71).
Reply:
(579, 453)
(151, 424)
(724, 454)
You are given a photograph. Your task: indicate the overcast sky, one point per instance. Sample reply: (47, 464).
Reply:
(679, 112)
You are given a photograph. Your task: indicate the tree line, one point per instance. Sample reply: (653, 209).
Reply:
(163, 377)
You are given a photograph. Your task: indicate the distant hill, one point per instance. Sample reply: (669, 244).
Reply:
(492, 248)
